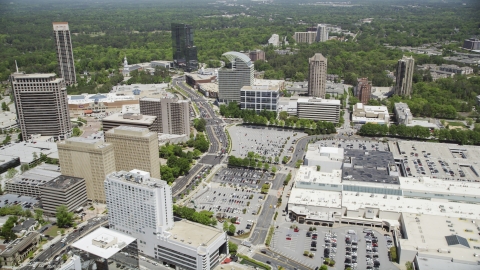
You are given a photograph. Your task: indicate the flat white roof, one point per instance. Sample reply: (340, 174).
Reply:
(25, 150)
(118, 117)
(426, 234)
(194, 234)
(85, 243)
(433, 185)
(319, 100)
(310, 197)
(310, 174)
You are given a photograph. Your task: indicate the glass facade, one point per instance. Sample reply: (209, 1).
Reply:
(184, 52)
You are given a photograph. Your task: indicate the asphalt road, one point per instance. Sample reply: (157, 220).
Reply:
(261, 229)
(184, 181)
(59, 246)
(277, 261)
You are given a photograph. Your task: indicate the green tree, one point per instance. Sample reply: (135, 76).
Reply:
(76, 132)
(231, 229)
(64, 217)
(6, 231)
(200, 124)
(5, 107)
(323, 267)
(24, 168)
(38, 215)
(274, 169)
(11, 173)
(232, 247)
(28, 213)
(225, 226)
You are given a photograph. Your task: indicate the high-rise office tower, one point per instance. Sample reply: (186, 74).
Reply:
(322, 33)
(230, 81)
(138, 205)
(317, 75)
(173, 114)
(42, 105)
(63, 46)
(184, 52)
(89, 159)
(135, 148)
(404, 76)
(363, 90)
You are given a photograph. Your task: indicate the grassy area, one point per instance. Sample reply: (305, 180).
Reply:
(249, 261)
(52, 231)
(196, 108)
(455, 124)
(269, 236)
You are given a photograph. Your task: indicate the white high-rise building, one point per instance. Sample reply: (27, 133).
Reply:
(230, 81)
(322, 33)
(142, 207)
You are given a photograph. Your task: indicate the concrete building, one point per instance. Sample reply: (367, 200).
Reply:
(317, 75)
(404, 76)
(63, 46)
(230, 81)
(106, 249)
(194, 80)
(274, 40)
(89, 159)
(141, 206)
(184, 50)
(41, 103)
(370, 114)
(25, 152)
(18, 250)
(135, 148)
(471, 44)
(209, 90)
(130, 119)
(322, 33)
(173, 115)
(259, 98)
(456, 69)
(29, 182)
(305, 37)
(256, 55)
(328, 158)
(319, 109)
(63, 190)
(402, 113)
(363, 90)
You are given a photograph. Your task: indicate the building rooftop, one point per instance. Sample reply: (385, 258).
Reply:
(311, 197)
(34, 75)
(85, 142)
(137, 177)
(24, 225)
(260, 88)
(119, 117)
(194, 234)
(87, 242)
(310, 175)
(370, 166)
(35, 177)
(433, 262)
(25, 150)
(319, 100)
(454, 237)
(63, 182)
(19, 244)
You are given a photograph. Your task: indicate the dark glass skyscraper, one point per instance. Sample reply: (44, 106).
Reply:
(184, 52)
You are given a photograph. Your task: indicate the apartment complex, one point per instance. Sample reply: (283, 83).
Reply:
(260, 97)
(173, 114)
(131, 120)
(471, 44)
(135, 148)
(63, 46)
(184, 51)
(363, 90)
(141, 206)
(89, 159)
(322, 33)
(404, 75)
(230, 81)
(319, 109)
(317, 75)
(42, 106)
(305, 37)
(63, 190)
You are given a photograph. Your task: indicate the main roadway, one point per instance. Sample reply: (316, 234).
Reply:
(215, 132)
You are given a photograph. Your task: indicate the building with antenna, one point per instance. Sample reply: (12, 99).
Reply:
(142, 207)
(63, 46)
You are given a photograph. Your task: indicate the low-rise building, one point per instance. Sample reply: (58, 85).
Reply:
(194, 79)
(29, 182)
(17, 250)
(456, 69)
(402, 113)
(319, 109)
(209, 90)
(129, 119)
(63, 190)
(259, 98)
(363, 114)
(274, 40)
(27, 225)
(471, 44)
(328, 158)
(25, 151)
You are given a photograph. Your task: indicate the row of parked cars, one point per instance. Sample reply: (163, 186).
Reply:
(372, 249)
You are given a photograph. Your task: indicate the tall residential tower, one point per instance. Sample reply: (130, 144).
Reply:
(317, 75)
(230, 81)
(63, 46)
(135, 148)
(184, 52)
(42, 105)
(404, 76)
(173, 115)
(322, 33)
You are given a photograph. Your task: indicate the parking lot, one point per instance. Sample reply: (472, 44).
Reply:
(227, 201)
(265, 141)
(448, 162)
(348, 246)
(242, 178)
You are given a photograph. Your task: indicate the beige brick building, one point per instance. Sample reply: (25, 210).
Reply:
(135, 148)
(89, 159)
(173, 115)
(317, 77)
